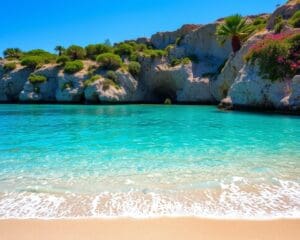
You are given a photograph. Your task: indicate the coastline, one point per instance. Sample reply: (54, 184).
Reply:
(144, 229)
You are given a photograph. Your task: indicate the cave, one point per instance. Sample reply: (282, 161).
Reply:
(161, 93)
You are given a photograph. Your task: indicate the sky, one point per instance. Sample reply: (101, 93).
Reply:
(30, 24)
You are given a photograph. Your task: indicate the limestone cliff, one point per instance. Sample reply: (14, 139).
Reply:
(216, 76)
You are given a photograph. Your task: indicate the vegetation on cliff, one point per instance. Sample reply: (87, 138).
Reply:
(277, 55)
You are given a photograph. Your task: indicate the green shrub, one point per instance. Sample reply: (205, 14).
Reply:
(154, 53)
(109, 61)
(134, 68)
(12, 53)
(110, 83)
(45, 56)
(134, 57)
(36, 78)
(62, 60)
(32, 61)
(259, 23)
(169, 48)
(9, 66)
(295, 20)
(112, 75)
(91, 80)
(36, 58)
(178, 61)
(73, 67)
(67, 85)
(123, 49)
(93, 50)
(279, 24)
(76, 52)
(179, 40)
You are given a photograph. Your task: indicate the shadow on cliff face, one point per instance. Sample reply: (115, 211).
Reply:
(160, 94)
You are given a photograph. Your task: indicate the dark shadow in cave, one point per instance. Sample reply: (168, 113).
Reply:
(160, 94)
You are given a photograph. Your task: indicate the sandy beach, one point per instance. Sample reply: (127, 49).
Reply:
(164, 229)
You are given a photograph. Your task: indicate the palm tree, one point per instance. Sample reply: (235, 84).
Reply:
(59, 49)
(235, 28)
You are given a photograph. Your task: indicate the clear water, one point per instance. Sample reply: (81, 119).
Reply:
(147, 161)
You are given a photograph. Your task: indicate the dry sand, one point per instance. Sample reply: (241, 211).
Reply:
(160, 229)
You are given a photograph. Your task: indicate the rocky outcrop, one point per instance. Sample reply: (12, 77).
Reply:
(176, 83)
(250, 90)
(203, 43)
(125, 90)
(12, 83)
(44, 92)
(161, 40)
(286, 11)
(70, 87)
(221, 85)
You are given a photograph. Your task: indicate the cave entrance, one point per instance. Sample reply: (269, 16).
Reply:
(161, 94)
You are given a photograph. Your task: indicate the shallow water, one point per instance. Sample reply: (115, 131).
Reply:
(147, 161)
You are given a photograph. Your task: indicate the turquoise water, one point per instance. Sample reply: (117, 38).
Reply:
(147, 161)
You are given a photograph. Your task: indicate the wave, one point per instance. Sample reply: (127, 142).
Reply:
(233, 200)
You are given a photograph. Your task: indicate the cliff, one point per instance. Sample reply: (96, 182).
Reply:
(213, 75)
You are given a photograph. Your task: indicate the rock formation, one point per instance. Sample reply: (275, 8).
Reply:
(213, 76)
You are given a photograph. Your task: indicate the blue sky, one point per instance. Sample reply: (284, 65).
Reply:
(29, 24)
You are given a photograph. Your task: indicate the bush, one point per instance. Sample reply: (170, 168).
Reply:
(277, 56)
(109, 61)
(110, 83)
(123, 49)
(93, 50)
(12, 53)
(294, 21)
(178, 61)
(45, 56)
(32, 61)
(91, 80)
(62, 60)
(279, 24)
(36, 78)
(112, 75)
(9, 66)
(73, 67)
(36, 58)
(75, 52)
(134, 68)
(67, 85)
(154, 53)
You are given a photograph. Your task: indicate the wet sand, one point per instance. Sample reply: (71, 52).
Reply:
(151, 229)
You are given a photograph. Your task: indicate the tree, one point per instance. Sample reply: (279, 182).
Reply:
(12, 53)
(235, 28)
(60, 50)
(75, 52)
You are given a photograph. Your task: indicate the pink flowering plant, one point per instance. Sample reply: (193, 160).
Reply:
(277, 55)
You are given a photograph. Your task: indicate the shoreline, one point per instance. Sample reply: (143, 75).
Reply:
(144, 229)
(243, 109)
